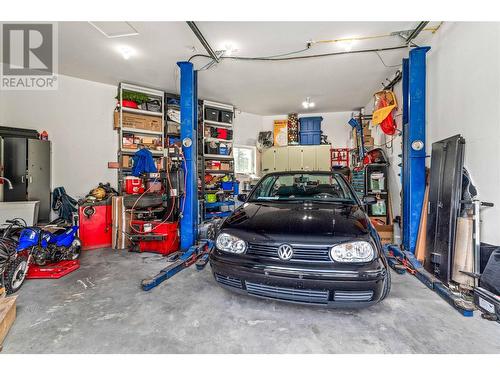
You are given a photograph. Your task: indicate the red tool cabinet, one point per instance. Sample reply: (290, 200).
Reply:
(95, 224)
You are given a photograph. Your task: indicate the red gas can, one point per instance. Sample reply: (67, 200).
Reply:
(168, 245)
(133, 185)
(95, 223)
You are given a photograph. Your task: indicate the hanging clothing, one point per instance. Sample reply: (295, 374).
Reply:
(63, 204)
(143, 163)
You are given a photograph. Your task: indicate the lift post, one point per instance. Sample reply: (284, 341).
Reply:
(191, 250)
(414, 74)
(189, 125)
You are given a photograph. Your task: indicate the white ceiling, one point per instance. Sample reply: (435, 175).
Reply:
(338, 83)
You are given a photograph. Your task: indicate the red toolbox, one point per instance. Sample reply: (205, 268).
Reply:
(95, 222)
(155, 236)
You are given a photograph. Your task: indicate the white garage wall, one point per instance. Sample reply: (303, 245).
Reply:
(246, 128)
(334, 125)
(463, 96)
(79, 119)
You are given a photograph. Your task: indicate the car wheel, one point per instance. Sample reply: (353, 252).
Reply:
(387, 285)
(16, 274)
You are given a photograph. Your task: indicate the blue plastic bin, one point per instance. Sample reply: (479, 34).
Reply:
(310, 124)
(310, 138)
(230, 185)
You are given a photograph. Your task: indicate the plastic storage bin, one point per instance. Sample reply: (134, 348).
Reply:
(226, 117)
(310, 138)
(212, 114)
(310, 124)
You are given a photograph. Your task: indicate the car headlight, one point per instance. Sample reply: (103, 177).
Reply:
(230, 244)
(352, 252)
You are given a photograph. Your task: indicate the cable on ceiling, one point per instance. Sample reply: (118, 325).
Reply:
(302, 57)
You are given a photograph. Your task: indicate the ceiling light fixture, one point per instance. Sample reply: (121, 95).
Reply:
(126, 51)
(307, 103)
(228, 48)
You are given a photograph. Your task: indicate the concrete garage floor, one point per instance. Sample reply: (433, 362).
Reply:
(101, 309)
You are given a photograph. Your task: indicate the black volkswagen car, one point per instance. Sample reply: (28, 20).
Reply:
(302, 237)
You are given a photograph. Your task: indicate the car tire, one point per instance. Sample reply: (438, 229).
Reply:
(387, 285)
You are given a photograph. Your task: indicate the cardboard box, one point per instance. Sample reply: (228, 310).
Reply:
(120, 224)
(368, 141)
(7, 315)
(225, 166)
(127, 161)
(140, 122)
(280, 133)
(386, 233)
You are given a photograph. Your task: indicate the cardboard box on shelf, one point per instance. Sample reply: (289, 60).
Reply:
(369, 142)
(225, 166)
(127, 161)
(139, 122)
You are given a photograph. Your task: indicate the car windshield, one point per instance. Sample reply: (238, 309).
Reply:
(320, 187)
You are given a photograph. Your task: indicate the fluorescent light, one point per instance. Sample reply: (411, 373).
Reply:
(126, 51)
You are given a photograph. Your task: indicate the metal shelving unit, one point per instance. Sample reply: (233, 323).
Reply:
(122, 151)
(212, 210)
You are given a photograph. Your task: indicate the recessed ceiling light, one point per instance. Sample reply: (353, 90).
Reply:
(126, 51)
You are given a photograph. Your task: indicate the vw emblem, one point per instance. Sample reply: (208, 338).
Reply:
(285, 252)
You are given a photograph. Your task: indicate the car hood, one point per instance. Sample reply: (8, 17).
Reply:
(316, 222)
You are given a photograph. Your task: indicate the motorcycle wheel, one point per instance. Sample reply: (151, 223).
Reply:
(16, 274)
(75, 250)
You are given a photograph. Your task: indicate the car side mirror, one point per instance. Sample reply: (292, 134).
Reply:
(242, 197)
(369, 200)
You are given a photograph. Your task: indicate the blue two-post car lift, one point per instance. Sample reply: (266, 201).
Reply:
(414, 178)
(191, 251)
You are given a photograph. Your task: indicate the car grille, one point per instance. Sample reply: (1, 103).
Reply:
(229, 281)
(301, 253)
(352, 296)
(288, 294)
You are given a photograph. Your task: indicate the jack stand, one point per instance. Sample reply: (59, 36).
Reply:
(195, 254)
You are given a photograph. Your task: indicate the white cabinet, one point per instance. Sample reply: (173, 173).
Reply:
(296, 158)
(281, 159)
(323, 158)
(267, 160)
(308, 158)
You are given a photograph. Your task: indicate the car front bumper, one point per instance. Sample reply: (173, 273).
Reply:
(348, 286)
